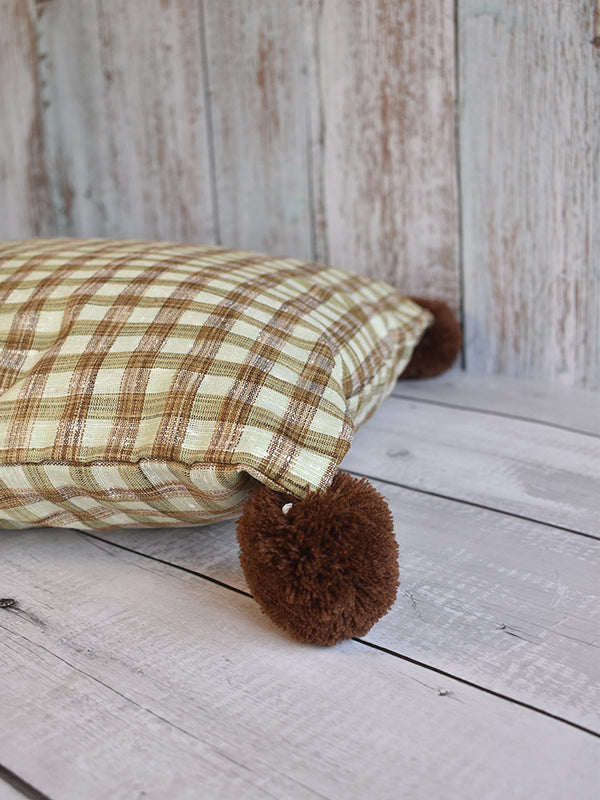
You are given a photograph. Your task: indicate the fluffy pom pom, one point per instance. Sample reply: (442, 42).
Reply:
(324, 568)
(440, 345)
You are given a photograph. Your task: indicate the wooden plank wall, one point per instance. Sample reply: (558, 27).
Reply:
(327, 129)
(530, 167)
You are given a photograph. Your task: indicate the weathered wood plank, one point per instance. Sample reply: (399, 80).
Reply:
(386, 73)
(257, 70)
(124, 119)
(502, 602)
(554, 404)
(529, 155)
(316, 128)
(512, 465)
(333, 130)
(25, 205)
(146, 682)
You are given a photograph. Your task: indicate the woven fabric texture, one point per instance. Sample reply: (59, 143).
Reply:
(149, 384)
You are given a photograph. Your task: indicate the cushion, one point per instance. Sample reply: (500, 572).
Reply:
(151, 384)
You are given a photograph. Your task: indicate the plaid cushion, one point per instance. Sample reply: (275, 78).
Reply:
(150, 384)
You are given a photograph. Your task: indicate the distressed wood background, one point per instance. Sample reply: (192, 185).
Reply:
(451, 147)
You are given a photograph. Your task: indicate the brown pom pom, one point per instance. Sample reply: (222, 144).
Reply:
(324, 568)
(440, 345)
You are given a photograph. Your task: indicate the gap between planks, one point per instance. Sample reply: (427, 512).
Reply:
(359, 640)
(12, 787)
(464, 516)
(473, 504)
(562, 407)
(150, 663)
(399, 395)
(524, 468)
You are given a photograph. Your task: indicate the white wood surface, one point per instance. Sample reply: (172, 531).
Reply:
(449, 147)
(387, 81)
(125, 133)
(561, 406)
(257, 71)
(525, 468)
(529, 168)
(25, 203)
(127, 677)
(507, 604)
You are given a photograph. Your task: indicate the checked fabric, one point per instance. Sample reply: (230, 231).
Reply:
(149, 384)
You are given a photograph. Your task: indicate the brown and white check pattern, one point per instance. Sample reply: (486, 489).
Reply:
(150, 384)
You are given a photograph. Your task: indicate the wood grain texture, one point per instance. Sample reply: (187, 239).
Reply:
(504, 603)
(257, 72)
(524, 468)
(25, 200)
(176, 686)
(529, 165)
(386, 75)
(124, 119)
(326, 129)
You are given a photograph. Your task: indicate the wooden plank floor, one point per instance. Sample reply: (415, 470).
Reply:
(136, 665)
